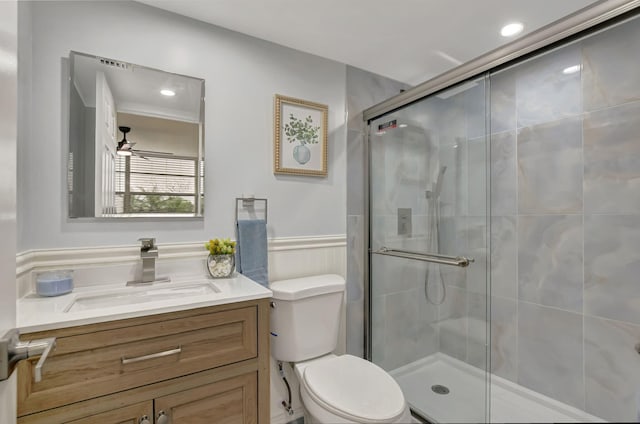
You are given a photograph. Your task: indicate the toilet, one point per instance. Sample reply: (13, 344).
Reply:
(305, 322)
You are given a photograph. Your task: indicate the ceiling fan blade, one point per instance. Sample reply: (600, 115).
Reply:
(138, 154)
(153, 153)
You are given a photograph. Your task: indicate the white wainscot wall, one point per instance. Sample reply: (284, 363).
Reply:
(288, 258)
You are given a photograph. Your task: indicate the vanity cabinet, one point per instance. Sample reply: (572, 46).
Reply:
(201, 365)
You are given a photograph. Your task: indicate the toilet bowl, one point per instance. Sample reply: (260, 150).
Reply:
(334, 389)
(347, 389)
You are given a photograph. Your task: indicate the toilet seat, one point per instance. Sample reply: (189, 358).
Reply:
(354, 389)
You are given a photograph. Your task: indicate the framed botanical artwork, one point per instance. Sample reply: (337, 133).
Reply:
(300, 137)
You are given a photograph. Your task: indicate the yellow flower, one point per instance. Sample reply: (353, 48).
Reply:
(221, 246)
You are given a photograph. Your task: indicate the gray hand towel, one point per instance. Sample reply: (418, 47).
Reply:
(251, 250)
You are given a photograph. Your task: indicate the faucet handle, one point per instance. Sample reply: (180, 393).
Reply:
(147, 243)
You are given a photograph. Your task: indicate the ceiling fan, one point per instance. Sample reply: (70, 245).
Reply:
(125, 147)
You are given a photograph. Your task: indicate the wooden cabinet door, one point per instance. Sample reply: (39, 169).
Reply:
(131, 414)
(230, 401)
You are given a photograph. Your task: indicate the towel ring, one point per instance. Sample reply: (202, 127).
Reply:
(249, 203)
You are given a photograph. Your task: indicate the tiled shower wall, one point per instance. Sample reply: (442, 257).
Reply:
(364, 90)
(565, 233)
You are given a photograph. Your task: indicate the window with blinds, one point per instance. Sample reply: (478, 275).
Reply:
(158, 183)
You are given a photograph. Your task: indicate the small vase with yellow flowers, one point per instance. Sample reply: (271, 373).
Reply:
(222, 260)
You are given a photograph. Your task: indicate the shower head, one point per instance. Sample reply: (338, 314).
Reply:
(438, 187)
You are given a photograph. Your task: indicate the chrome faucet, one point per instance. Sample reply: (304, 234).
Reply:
(148, 254)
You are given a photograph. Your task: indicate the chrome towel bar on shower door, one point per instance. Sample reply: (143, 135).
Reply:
(460, 261)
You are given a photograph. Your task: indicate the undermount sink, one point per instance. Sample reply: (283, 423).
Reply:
(134, 296)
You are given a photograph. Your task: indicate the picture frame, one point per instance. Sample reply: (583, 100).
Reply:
(300, 137)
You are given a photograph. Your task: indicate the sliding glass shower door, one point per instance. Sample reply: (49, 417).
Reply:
(428, 251)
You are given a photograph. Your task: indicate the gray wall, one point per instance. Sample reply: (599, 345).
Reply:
(242, 76)
(566, 224)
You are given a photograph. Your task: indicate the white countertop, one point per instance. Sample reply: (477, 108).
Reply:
(37, 313)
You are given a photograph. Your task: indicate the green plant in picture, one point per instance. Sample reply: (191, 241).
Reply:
(220, 247)
(304, 132)
(154, 203)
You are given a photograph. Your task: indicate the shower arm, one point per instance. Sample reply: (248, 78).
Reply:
(460, 261)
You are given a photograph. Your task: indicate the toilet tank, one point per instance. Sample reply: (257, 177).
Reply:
(305, 318)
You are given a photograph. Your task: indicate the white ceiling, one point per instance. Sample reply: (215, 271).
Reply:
(136, 89)
(407, 40)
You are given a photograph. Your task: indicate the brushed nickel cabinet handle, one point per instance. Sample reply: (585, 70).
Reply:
(170, 352)
(162, 418)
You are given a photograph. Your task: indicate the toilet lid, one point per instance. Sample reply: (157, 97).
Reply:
(355, 389)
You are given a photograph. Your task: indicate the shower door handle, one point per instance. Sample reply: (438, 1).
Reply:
(460, 261)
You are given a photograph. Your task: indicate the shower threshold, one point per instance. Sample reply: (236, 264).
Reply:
(464, 400)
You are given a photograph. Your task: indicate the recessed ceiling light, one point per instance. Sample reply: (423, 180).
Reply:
(403, 125)
(511, 29)
(168, 93)
(571, 69)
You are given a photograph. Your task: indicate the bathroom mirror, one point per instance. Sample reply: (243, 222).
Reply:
(135, 141)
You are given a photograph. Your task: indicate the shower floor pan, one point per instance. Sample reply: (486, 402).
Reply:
(465, 399)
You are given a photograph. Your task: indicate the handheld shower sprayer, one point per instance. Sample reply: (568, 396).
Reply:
(438, 188)
(433, 238)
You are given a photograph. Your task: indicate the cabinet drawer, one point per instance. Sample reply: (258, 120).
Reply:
(85, 366)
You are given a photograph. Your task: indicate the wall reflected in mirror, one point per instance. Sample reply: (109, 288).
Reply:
(135, 141)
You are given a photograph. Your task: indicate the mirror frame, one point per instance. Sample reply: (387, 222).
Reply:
(198, 215)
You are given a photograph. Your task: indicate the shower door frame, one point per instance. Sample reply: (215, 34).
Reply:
(570, 26)
(576, 25)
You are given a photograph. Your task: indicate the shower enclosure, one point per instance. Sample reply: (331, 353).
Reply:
(428, 212)
(504, 231)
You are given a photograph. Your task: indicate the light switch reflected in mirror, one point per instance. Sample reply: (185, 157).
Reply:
(135, 141)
